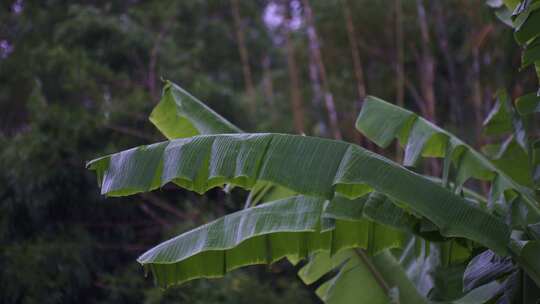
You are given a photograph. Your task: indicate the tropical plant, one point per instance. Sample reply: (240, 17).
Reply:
(365, 228)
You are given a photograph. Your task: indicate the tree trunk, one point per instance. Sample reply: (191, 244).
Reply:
(442, 39)
(357, 65)
(427, 77)
(426, 65)
(400, 70)
(314, 48)
(355, 53)
(477, 94)
(267, 80)
(317, 98)
(244, 57)
(296, 98)
(154, 54)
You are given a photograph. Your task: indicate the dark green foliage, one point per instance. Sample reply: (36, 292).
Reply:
(75, 85)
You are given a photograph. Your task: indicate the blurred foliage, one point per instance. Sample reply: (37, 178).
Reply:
(72, 88)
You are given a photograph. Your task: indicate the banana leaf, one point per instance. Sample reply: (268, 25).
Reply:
(422, 138)
(293, 227)
(307, 165)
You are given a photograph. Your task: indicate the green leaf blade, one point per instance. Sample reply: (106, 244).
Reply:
(306, 165)
(264, 234)
(180, 115)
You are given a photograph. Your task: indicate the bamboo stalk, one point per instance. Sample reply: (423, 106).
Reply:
(292, 68)
(314, 47)
(357, 64)
(244, 56)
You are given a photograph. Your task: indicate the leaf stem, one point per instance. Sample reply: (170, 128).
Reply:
(376, 274)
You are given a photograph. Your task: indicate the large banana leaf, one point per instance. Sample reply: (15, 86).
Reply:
(387, 278)
(307, 165)
(293, 227)
(180, 115)
(383, 122)
(363, 279)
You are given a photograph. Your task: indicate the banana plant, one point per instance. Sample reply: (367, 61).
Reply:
(358, 218)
